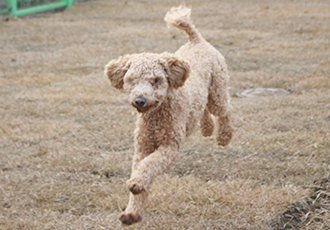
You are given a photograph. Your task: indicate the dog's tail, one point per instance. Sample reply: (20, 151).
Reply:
(179, 17)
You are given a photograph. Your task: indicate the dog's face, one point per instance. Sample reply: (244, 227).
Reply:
(147, 77)
(147, 83)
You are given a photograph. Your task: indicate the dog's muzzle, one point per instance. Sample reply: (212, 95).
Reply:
(140, 101)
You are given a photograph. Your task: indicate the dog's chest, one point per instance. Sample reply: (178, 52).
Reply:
(162, 129)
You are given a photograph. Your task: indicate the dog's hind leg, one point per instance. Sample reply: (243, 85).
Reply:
(225, 131)
(219, 102)
(207, 123)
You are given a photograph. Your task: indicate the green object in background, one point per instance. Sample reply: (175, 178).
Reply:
(4, 9)
(24, 7)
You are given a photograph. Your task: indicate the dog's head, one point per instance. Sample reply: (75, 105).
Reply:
(147, 77)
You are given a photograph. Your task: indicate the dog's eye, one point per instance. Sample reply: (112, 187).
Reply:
(154, 81)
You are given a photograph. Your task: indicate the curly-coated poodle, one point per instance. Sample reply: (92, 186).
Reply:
(172, 93)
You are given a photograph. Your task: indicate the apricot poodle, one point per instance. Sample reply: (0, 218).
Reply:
(172, 93)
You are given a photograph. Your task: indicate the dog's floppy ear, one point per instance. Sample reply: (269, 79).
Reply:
(116, 70)
(176, 68)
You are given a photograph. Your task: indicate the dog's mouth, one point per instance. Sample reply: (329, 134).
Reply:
(147, 107)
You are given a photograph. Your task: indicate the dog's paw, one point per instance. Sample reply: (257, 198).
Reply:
(225, 136)
(207, 130)
(135, 186)
(129, 218)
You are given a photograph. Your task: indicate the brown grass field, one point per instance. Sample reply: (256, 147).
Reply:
(66, 136)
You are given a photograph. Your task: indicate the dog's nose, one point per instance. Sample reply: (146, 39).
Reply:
(140, 101)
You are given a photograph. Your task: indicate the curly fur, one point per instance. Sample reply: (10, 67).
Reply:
(172, 93)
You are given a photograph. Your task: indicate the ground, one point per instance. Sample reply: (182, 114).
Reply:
(66, 136)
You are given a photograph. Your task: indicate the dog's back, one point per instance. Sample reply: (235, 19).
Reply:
(207, 83)
(201, 55)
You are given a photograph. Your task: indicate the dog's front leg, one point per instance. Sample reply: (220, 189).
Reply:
(144, 170)
(136, 205)
(151, 166)
(135, 208)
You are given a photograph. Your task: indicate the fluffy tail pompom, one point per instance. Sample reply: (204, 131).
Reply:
(179, 17)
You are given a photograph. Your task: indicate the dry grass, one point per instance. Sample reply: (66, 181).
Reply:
(67, 137)
(312, 212)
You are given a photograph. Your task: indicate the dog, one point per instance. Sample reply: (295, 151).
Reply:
(172, 93)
